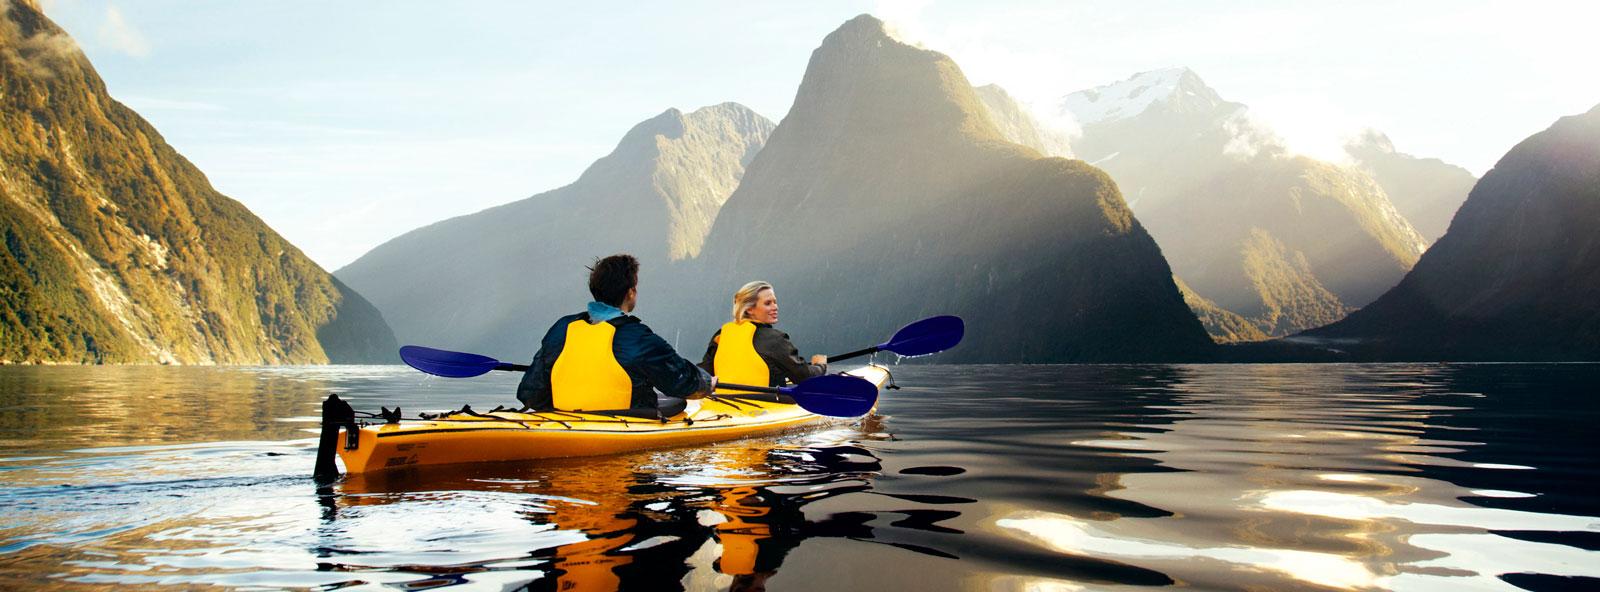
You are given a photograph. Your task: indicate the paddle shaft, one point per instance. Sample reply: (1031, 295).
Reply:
(754, 389)
(737, 387)
(855, 354)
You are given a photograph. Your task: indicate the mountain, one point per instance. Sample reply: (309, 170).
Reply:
(1174, 91)
(1517, 275)
(887, 194)
(1284, 241)
(1018, 125)
(491, 281)
(1427, 191)
(118, 250)
(1224, 326)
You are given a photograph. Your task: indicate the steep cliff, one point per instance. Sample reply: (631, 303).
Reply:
(118, 250)
(1516, 276)
(887, 194)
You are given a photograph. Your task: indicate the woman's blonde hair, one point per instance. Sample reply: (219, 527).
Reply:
(745, 298)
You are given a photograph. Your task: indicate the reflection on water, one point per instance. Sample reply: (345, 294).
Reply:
(1412, 477)
(720, 518)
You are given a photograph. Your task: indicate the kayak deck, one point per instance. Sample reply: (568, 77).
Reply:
(502, 436)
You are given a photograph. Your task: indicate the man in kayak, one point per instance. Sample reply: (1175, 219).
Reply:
(749, 350)
(605, 359)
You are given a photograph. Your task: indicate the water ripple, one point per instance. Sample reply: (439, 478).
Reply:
(1409, 477)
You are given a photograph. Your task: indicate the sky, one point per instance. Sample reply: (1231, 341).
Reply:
(346, 124)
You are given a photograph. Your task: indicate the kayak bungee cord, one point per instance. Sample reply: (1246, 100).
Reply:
(537, 417)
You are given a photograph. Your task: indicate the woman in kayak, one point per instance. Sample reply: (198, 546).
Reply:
(749, 350)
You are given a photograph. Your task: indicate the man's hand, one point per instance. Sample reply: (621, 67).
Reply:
(710, 388)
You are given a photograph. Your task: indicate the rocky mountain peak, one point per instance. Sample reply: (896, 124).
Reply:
(1174, 89)
(1427, 191)
(657, 194)
(642, 136)
(1286, 242)
(861, 30)
(673, 125)
(893, 182)
(860, 47)
(652, 151)
(1371, 140)
(861, 77)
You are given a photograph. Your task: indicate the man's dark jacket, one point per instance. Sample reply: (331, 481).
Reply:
(649, 360)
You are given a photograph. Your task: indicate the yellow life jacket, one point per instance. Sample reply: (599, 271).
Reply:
(737, 361)
(586, 376)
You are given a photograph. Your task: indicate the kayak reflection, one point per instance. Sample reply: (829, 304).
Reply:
(718, 518)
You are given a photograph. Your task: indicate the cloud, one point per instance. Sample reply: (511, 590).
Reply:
(1309, 123)
(902, 20)
(1024, 54)
(36, 53)
(116, 33)
(1054, 120)
(1251, 137)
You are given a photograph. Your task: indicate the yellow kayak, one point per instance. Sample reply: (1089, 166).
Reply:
(501, 436)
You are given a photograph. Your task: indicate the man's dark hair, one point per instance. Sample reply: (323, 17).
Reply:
(611, 278)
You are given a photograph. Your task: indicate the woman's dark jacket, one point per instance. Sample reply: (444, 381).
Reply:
(783, 360)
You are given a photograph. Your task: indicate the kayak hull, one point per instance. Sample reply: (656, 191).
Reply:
(505, 436)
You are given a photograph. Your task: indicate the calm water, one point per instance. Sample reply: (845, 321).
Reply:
(1291, 477)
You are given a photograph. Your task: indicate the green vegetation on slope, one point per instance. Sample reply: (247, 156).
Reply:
(118, 250)
(1224, 326)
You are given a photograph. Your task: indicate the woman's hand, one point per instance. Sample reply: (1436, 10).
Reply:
(819, 360)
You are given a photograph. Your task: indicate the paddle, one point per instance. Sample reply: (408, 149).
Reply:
(832, 395)
(450, 364)
(927, 336)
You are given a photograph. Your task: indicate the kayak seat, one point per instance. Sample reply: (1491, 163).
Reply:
(670, 406)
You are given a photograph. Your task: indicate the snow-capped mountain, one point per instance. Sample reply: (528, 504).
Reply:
(1175, 89)
(1287, 242)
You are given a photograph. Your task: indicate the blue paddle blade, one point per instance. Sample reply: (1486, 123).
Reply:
(927, 336)
(448, 364)
(835, 395)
